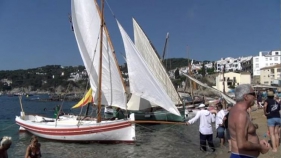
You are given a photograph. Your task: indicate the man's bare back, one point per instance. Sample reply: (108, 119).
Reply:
(243, 130)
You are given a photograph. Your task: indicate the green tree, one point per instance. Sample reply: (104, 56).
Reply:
(203, 73)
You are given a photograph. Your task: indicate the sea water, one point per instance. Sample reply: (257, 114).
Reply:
(169, 141)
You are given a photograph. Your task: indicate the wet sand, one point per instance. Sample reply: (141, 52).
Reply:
(259, 119)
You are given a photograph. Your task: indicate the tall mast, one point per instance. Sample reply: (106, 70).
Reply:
(166, 65)
(190, 81)
(190, 73)
(112, 48)
(165, 46)
(100, 65)
(223, 79)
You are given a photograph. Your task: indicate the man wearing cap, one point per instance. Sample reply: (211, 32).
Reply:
(205, 127)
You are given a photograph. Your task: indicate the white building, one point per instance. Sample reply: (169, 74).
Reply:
(265, 58)
(231, 80)
(231, 64)
(269, 74)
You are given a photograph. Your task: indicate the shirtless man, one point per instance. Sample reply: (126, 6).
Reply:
(244, 140)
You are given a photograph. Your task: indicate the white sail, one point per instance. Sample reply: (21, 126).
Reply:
(138, 103)
(142, 81)
(227, 98)
(149, 54)
(86, 23)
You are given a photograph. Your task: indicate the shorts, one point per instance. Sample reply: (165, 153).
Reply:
(227, 134)
(220, 132)
(273, 122)
(236, 155)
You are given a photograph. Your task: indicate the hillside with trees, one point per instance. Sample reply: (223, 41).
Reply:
(49, 77)
(45, 78)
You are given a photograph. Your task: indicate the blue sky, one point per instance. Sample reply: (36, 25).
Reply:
(37, 33)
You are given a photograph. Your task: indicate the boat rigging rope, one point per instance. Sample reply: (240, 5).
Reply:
(87, 85)
(7, 127)
(110, 9)
(60, 107)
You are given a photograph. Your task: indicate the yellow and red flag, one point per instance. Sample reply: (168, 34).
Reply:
(88, 98)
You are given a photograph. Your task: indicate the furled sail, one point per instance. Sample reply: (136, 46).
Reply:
(86, 23)
(227, 98)
(149, 54)
(142, 81)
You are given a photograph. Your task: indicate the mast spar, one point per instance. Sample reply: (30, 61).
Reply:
(100, 65)
(165, 46)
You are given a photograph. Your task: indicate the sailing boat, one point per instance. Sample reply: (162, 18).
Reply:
(138, 104)
(105, 81)
(226, 97)
(148, 87)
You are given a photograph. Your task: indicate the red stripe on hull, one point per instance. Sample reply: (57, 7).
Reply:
(74, 131)
(77, 128)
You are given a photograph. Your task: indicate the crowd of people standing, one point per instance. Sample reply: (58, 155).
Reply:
(234, 124)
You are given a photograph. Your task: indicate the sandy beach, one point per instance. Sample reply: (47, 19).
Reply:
(259, 119)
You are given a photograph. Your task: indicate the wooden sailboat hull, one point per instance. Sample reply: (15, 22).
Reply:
(159, 115)
(66, 129)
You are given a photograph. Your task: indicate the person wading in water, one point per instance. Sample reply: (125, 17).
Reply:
(33, 150)
(6, 143)
(205, 127)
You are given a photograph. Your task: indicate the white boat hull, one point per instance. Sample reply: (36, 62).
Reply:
(66, 129)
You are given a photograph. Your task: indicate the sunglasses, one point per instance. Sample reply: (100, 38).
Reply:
(252, 93)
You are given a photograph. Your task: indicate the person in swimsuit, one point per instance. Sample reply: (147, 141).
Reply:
(5, 144)
(244, 140)
(33, 150)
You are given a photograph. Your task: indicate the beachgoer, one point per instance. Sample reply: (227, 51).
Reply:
(33, 150)
(259, 100)
(271, 111)
(277, 98)
(205, 127)
(244, 140)
(219, 124)
(225, 122)
(5, 144)
(279, 132)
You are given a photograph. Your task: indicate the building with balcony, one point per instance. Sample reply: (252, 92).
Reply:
(233, 64)
(265, 59)
(231, 80)
(247, 65)
(270, 73)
